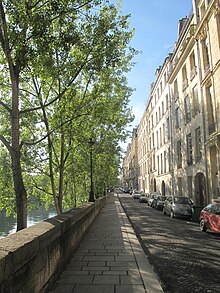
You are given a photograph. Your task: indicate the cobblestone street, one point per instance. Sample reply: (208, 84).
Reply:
(185, 259)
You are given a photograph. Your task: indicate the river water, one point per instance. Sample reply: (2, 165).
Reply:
(8, 224)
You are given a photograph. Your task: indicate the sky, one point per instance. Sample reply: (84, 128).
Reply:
(156, 27)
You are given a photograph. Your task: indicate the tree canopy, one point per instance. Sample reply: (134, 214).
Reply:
(63, 81)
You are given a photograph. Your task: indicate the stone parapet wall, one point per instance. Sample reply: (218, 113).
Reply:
(31, 259)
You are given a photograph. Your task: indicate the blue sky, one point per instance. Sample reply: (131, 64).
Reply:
(156, 25)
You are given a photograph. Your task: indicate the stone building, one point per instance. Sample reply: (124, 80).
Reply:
(130, 164)
(178, 138)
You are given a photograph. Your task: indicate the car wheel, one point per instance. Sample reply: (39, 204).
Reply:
(203, 226)
(172, 215)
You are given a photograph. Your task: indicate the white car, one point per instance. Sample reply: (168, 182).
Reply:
(136, 194)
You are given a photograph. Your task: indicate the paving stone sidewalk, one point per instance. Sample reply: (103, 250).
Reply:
(109, 259)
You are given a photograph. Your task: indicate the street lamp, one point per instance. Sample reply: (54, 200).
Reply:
(91, 193)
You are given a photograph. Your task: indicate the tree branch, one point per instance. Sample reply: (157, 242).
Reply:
(6, 107)
(6, 143)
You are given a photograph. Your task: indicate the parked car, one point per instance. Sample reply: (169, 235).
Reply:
(210, 217)
(136, 194)
(158, 202)
(152, 196)
(178, 206)
(126, 190)
(143, 198)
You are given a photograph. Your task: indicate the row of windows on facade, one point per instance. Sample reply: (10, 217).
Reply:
(192, 63)
(193, 72)
(164, 159)
(191, 109)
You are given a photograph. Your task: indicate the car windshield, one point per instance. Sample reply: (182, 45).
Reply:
(182, 200)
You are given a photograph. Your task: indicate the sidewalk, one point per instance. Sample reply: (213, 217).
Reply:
(109, 259)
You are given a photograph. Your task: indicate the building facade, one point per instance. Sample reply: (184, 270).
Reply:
(178, 139)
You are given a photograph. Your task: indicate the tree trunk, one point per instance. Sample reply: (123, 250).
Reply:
(20, 192)
(61, 180)
(50, 150)
(21, 195)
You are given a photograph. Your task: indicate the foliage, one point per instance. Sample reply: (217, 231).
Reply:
(71, 58)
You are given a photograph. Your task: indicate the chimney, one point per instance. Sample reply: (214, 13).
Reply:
(181, 25)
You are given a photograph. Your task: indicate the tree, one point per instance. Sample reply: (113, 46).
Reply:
(58, 58)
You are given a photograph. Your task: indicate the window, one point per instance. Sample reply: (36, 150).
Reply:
(189, 186)
(161, 163)
(164, 132)
(165, 79)
(154, 162)
(162, 108)
(189, 149)
(192, 65)
(156, 117)
(218, 27)
(179, 154)
(210, 109)
(161, 137)
(180, 186)
(153, 138)
(195, 98)
(177, 115)
(184, 78)
(168, 128)
(158, 164)
(202, 10)
(157, 140)
(169, 158)
(165, 165)
(167, 102)
(187, 109)
(175, 90)
(198, 145)
(152, 121)
(206, 56)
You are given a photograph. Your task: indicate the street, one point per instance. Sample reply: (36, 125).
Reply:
(185, 259)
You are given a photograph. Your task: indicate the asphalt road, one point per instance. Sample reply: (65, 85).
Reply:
(185, 259)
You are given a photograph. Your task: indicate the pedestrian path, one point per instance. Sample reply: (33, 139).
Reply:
(109, 259)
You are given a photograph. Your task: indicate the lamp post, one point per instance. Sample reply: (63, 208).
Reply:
(91, 193)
